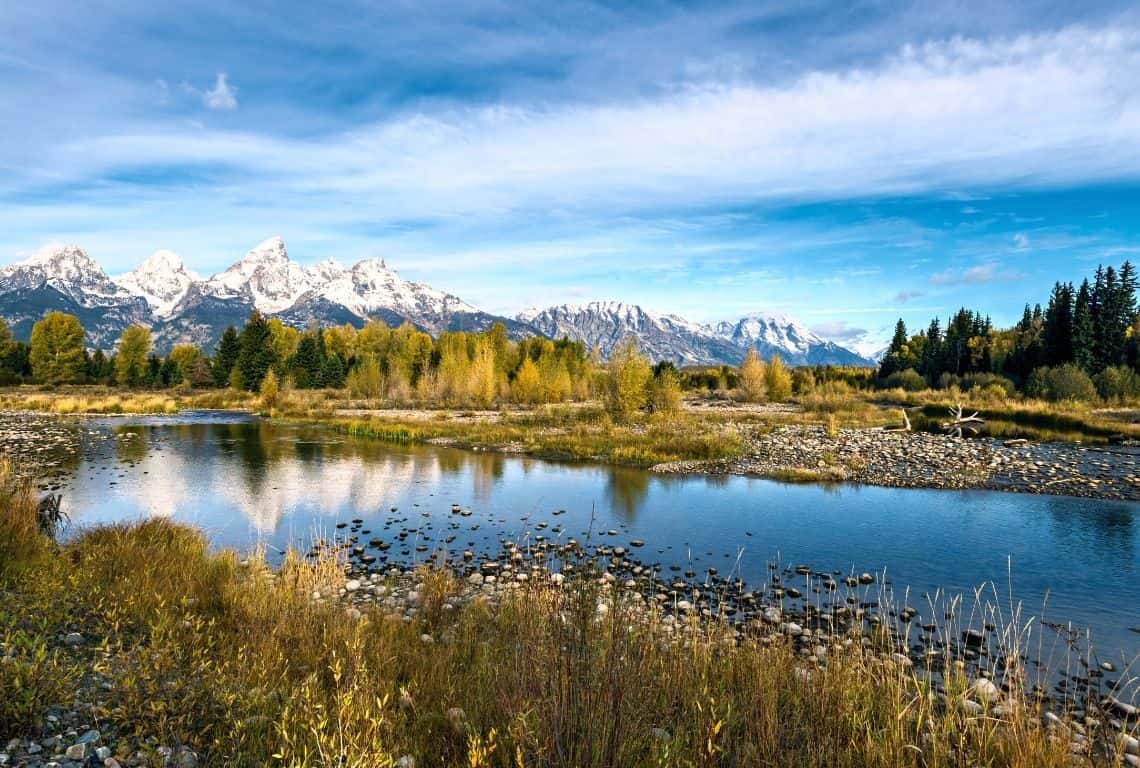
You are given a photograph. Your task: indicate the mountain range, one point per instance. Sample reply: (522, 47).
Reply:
(181, 307)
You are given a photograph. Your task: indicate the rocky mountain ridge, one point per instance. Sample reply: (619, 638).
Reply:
(181, 307)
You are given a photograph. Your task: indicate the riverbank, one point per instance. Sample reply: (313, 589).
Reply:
(138, 645)
(924, 460)
(727, 439)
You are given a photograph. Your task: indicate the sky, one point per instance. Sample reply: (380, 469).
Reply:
(844, 163)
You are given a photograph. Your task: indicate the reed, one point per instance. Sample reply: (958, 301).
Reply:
(250, 665)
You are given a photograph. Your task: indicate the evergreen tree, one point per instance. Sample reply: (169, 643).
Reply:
(332, 372)
(14, 363)
(931, 351)
(256, 356)
(893, 360)
(1083, 340)
(307, 363)
(1057, 337)
(226, 356)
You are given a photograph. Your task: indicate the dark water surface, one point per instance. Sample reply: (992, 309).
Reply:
(244, 482)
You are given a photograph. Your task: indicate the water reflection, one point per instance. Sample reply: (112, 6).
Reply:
(247, 481)
(627, 489)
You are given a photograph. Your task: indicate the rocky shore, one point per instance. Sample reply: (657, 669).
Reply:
(823, 617)
(42, 443)
(924, 460)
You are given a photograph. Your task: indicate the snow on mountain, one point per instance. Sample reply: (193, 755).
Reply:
(778, 331)
(162, 280)
(603, 324)
(266, 276)
(670, 337)
(66, 279)
(69, 270)
(779, 334)
(181, 308)
(370, 286)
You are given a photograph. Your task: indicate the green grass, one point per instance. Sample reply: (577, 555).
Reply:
(565, 433)
(238, 663)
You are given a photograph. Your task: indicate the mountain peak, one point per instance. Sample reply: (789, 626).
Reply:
(66, 268)
(162, 280)
(265, 276)
(64, 261)
(271, 249)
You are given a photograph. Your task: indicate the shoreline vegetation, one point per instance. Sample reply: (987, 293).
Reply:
(205, 658)
(843, 436)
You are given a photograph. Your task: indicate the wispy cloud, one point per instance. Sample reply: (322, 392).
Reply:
(840, 331)
(979, 275)
(222, 96)
(902, 297)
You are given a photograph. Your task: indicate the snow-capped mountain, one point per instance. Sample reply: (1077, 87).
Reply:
(69, 270)
(179, 307)
(162, 280)
(370, 286)
(603, 324)
(773, 333)
(670, 337)
(265, 276)
(66, 279)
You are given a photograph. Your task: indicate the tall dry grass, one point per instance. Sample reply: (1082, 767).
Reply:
(250, 665)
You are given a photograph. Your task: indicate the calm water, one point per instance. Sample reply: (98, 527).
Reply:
(247, 482)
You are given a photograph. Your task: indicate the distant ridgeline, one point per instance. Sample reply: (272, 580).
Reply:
(179, 307)
(1086, 340)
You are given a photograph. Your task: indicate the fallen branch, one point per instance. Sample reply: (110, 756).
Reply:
(960, 423)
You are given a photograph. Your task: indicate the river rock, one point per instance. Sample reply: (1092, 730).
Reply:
(985, 691)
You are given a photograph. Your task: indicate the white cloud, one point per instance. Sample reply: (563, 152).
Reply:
(840, 331)
(979, 275)
(222, 95)
(1028, 110)
(1021, 241)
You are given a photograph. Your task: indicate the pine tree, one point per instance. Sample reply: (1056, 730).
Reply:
(892, 361)
(306, 364)
(1057, 337)
(332, 372)
(1083, 328)
(226, 357)
(256, 356)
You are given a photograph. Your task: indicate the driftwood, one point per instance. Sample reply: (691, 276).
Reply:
(904, 428)
(49, 515)
(959, 423)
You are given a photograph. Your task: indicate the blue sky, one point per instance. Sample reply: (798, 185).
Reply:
(843, 163)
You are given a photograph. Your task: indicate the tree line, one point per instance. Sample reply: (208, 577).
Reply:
(1085, 342)
(376, 360)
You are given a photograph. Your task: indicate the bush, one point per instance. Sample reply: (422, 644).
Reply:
(987, 381)
(1118, 383)
(948, 380)
(665, 393)
(910, 380)
(1065, 382)
(803, 382)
